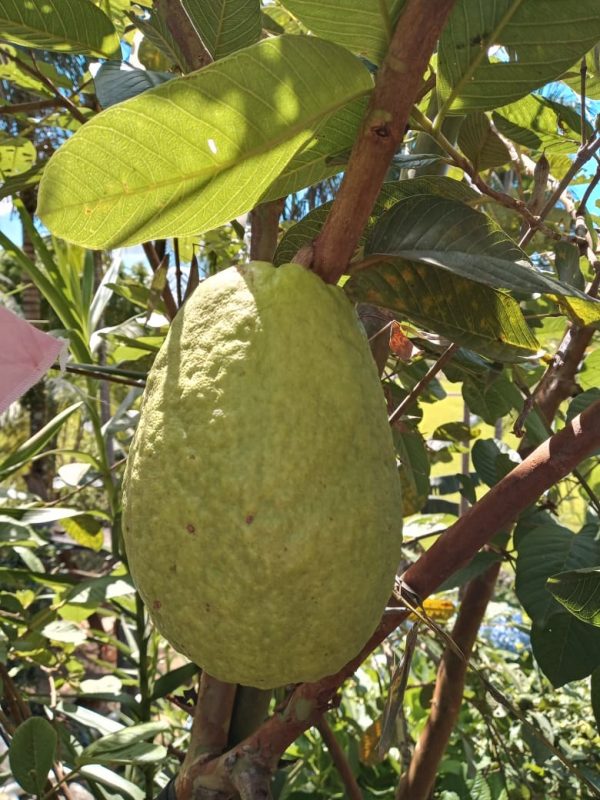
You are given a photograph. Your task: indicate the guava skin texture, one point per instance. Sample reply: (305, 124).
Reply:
(262, 510)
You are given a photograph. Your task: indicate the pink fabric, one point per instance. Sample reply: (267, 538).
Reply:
(25, 355)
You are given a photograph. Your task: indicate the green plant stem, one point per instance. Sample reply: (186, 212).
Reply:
(141, 637)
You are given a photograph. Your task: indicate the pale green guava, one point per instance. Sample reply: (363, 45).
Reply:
(262, 511)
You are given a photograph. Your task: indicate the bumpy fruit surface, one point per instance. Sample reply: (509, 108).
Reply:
(262, 504)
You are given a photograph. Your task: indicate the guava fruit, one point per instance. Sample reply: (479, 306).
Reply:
(262, 510)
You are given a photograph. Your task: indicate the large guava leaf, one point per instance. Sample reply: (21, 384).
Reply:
(450, 235)
(72, 26)
(363, 26)
(225, 25)
(474, 316)
(493, 53)
(308, 228)
(578, 591)
(199, 150)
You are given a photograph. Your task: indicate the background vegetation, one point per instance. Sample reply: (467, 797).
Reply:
(475, 269)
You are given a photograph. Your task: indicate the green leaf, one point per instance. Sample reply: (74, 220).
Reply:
(13, 532)
(22, 181)
(589, 377)
(216, 155)
(413, 470)
(476, 566)
(225, 25)
(578, 591)
(36, 443)
(85, 530)
(450, 235)
(490, 462)
(17, 155)
(324, 155)
(592, 84)
(64, 631)
(107, 777)
(490, 400)
(474, 316)
(127, 746)
(172, 680)
(72, 26)
(480, 143)
(535, 123)
(540, 40)
(363, 26)
(582, 401)
(116, 81)
(31, 754)
(307, 229)
(157, 36)
(565, 648)
(546, 551)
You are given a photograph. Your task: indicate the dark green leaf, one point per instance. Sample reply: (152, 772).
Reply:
(480, 143)
(450, 235)
(31, 754)
(565, 648)
(545, 551)
(225, 25)
(72, 26)
(307, 229)
(477, 566)
(172, 680)
(490, 462)
(491, 399)
(472, 315)
(359, 25)
(579, 592)
(116, 81)
(541, 39)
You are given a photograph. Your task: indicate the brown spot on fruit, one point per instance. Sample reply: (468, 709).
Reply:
(249, 519)
(156, 605)
(190, 528)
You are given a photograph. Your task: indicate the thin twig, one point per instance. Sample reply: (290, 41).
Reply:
(340, 760)
(583, 72)
(581, 208)
(418, 387)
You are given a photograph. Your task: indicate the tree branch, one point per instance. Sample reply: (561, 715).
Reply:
(340, 760)
(184, 33)
(264, 229)
(417, 782)
(396, 88)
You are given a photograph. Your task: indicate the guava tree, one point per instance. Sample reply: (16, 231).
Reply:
(439, 161)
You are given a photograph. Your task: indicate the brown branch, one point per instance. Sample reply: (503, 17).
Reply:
(549, 463)
(210, 730)
(417, 782)
(180, 25)
(34, 105)
(398, 83)
(340, 760)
